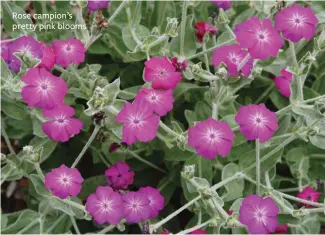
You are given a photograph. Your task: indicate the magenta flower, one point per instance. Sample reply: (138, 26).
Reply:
(69, 51)
(156, 200)
(48, 59)
(296, 22)
(96, 5)
(136, 207)
(257, 122)
(119, 175)
(43, 89)
(224, 4)
(309, 194)
(165, 231)
(160, 101)
(199, 231)
(211, 138)
(232, 56)
(140, 123)
(61, 126)
(161, 72)
(203, 28)
(64, 181)
(283, 83)
(259, 37)
(105, 205)
(11, 60)
(281, 229)
(259, 214)
(25, 45)
(179, 65)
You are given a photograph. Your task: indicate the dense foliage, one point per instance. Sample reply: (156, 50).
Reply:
(234, 144)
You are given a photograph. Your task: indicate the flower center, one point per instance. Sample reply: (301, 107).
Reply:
(44, 86)
(136, 121)
(153, 97)
(68, 48)
(297, 21)
(65, 179)
(258, 120)
(261, 36)
(61, 120)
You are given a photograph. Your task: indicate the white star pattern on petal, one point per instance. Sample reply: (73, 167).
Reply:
(161, 73)
(297, 21)
(105, 205)
(212, 136)
(234, 58)
(134, 205)
(65, 180)
(61, 120)
(26, 49)
(258, 120)
(260, 215)
(44, 86)
(135, 120)
(262, 36)
(67, 49)
(153, 98)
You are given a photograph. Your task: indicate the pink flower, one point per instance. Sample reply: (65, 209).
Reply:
(156, 200)
(105, 205)
(179, 65)
(211, 138)
(232, 56)
(43, 89)
(25, 45)
(199, 231)
(160, 101)
(48, 59)
(261, 39)
(283, 83)
(224, 4)
(136, 207)
(165, 231)
(281, 229)
(119, 175)
(140, 123)
(61, 126)
(11, 60)
(161, 72)
(203, 28)
(64, 181)
(259, 214)
(96, 5)
(69, 51)
(257, 122)
(296, 22)
(309, 194)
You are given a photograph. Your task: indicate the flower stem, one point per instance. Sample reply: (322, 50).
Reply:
(83, 151)
(56, 222)
(107, 229)
(159, 40)
(293, 54)
(172, 215)
(210, 49)
(243, 62)
(183, 24)
(316, 204)
(7, 140)
(74, 204)
(215, 111)
(187, 231)
(230, 30)
(280, 146)
(75, 226)
(206, 59)
(117, 11)
(145, 161)
(39, 171)
(28, 226)
(258, 167)
(170, 131)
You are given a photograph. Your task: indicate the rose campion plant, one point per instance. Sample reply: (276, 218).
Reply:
(162, 117)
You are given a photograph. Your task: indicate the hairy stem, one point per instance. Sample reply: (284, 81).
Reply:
(117, 11)
(258, 167)
(83, 151)
(183, 24)
(210, 49)
(187, 231)
(75, 226)
(7, 140)
(145, 161)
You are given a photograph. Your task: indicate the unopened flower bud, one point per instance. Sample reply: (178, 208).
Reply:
(223, 18)
(188, 171)
(171, 28)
